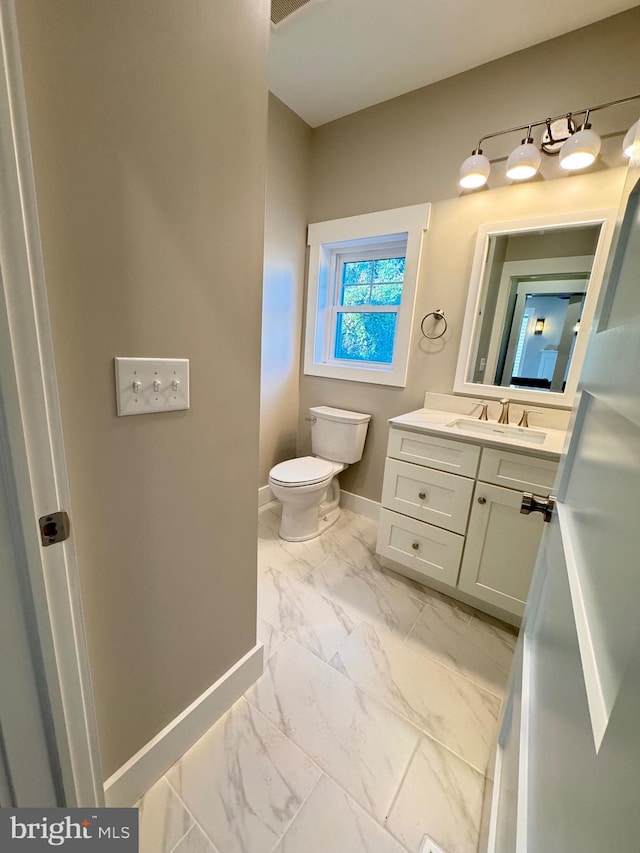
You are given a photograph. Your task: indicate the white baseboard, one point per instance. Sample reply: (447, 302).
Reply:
(363, 506)
(265, 495)
(134, 778)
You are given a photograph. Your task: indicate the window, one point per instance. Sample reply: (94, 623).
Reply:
(361, 294)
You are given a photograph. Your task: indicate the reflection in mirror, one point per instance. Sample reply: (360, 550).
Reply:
(532, 299)
(532, 296)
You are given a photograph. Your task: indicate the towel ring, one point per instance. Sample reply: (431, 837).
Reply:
(439, 315)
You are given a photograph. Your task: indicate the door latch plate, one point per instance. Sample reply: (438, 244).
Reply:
(54, 528)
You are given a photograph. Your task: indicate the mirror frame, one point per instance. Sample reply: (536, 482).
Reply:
(606, 219)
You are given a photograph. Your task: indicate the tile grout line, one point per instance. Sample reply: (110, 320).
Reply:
(384, 704)
(191, 828)
(324, 772)
(350, 609)
(171, 789)
(402, 781)
(425, 654)
(418, 618)
(406, 719)
(300, 807)
(191, 815)
(357, 619)
(293, 743)
(421, 732)
(448, 667)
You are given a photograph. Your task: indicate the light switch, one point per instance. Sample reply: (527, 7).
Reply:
(145, 385)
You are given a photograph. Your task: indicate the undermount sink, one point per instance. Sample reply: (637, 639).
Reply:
(496, 430)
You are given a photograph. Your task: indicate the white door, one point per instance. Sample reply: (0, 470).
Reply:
(568, 769)
(48, 742)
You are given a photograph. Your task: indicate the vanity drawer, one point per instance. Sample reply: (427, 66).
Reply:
(427, 495)
(456, 457)
(516, 471)
(428, 550)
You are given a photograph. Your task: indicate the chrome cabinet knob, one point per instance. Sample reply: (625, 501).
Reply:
(422, 495)
(482, 500)
(415, 546)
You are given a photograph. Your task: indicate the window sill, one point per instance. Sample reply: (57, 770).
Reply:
(376, 376)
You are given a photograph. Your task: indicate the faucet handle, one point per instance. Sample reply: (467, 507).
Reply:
(483, 416)
(524, 420)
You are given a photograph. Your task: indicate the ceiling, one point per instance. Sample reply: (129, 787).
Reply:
(334, 57)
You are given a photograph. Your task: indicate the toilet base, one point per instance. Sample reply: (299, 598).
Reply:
(307, 514)
(323, 523)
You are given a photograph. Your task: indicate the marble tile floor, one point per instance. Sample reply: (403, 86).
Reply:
(371, 726)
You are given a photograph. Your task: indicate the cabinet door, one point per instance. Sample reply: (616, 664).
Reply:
(432, 496)
(501, 548)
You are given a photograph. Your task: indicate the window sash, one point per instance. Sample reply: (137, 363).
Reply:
(395, 249)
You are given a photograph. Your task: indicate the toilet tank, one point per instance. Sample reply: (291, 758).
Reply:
(337, 434)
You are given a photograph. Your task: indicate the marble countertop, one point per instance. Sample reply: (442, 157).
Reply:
(439, 422)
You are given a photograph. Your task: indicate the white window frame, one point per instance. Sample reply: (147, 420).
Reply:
(328, 242)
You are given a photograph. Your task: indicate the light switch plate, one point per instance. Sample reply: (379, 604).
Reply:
(145, 385)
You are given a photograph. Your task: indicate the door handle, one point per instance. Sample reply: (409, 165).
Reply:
(534, 503)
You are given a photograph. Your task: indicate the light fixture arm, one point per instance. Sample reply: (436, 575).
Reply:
(547, 121)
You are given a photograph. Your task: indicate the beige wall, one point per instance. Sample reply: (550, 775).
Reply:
(409, 150)
(286, 211)
(148, 124)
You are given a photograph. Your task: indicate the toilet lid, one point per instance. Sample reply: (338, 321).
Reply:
(306, 470)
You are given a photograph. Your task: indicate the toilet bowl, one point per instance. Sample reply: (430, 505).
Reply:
(310, 495)
(308, 487)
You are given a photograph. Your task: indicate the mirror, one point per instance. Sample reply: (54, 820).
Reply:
(533, 290)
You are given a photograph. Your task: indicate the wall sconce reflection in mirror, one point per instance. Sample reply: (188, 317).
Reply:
(576, 328)
(538, 329)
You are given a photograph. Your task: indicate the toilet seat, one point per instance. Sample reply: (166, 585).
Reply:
(305, 471)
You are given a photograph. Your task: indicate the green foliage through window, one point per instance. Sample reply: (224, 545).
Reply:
(366, 337)
(363, 336)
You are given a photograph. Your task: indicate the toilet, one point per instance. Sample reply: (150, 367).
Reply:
(308, 487)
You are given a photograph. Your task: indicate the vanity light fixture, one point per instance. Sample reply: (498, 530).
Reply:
(538, 329)
(578, 147)
(576, 327)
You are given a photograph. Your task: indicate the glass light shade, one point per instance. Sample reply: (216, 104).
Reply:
(524, 162)
(474, 172)
(630, 143)
(580, 150)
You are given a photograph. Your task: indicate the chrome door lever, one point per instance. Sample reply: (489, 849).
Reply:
(534, 503)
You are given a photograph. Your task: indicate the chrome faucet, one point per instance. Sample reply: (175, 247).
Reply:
(504, 414)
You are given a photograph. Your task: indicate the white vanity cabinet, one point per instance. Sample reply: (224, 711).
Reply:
(451, 514)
